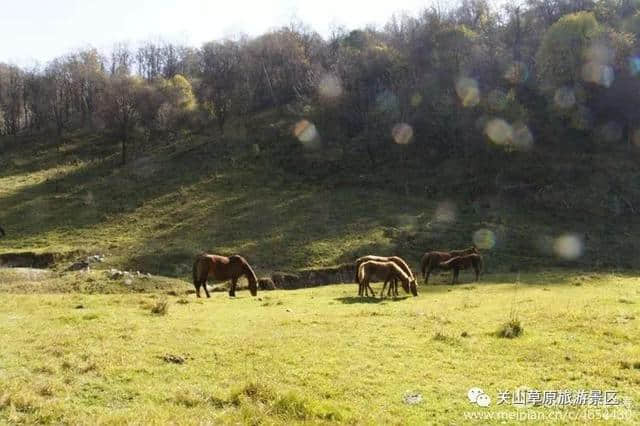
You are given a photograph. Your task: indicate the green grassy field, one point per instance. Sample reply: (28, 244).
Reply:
(317, 355)
(78, 347)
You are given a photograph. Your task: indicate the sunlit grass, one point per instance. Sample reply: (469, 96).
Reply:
(313, 355)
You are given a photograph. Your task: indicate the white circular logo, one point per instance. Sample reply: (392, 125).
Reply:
(477, 396)
(483, 400)
(474, 393)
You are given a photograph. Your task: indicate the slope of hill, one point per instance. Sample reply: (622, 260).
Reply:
(284, 209)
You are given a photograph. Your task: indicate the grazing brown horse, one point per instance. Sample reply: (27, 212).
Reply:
(221, 268)
(431, 260)
(386, 271)
(413, 284)
(463, 262)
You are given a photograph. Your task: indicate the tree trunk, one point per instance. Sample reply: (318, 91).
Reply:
(124, 147)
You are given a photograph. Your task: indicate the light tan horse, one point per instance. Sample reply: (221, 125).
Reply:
(432, 259)
(383, 271)
(221, 268)
(413, 284)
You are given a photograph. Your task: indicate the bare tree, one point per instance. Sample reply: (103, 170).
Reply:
(119, 108)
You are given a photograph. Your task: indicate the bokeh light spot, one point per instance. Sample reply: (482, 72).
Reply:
(88, 199)
(416, 100)
(484, 239)
(499, 131)
(634, 65)
(564, 98)
(594, 72)
(468, 92)
(445, 212)
(402, 133)
(568, 246)
(330, 86)
(306, 133)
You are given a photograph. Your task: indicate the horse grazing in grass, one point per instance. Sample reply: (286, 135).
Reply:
(463, 262)
(413, 284)
(384, 271)
(432, 259)
(221, 268)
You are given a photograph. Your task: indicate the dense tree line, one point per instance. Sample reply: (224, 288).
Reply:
(449, 81)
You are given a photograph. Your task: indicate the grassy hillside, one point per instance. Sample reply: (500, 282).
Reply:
(282, 209)
(321, 355)
(86, 346)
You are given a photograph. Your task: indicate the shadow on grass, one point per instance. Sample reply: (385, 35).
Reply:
(350, 300)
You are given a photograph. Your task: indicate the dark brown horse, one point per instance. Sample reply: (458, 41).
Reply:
(412, 285)
(462, 262)
(221, 268)
(431, 260)
(386, 271)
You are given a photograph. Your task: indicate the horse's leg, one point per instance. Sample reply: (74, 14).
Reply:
(197, 286)
(383, 287)
(477, 272)
(204, 284)
(232, 290)
(426, 279)
(367, 288)
(455, 275)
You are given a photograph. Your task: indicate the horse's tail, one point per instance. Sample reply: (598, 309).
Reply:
(360, 274)
(196, 278)
(423, 264)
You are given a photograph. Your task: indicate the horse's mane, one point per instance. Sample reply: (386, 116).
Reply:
(403, 275)
(251, 276)
(405, 268)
